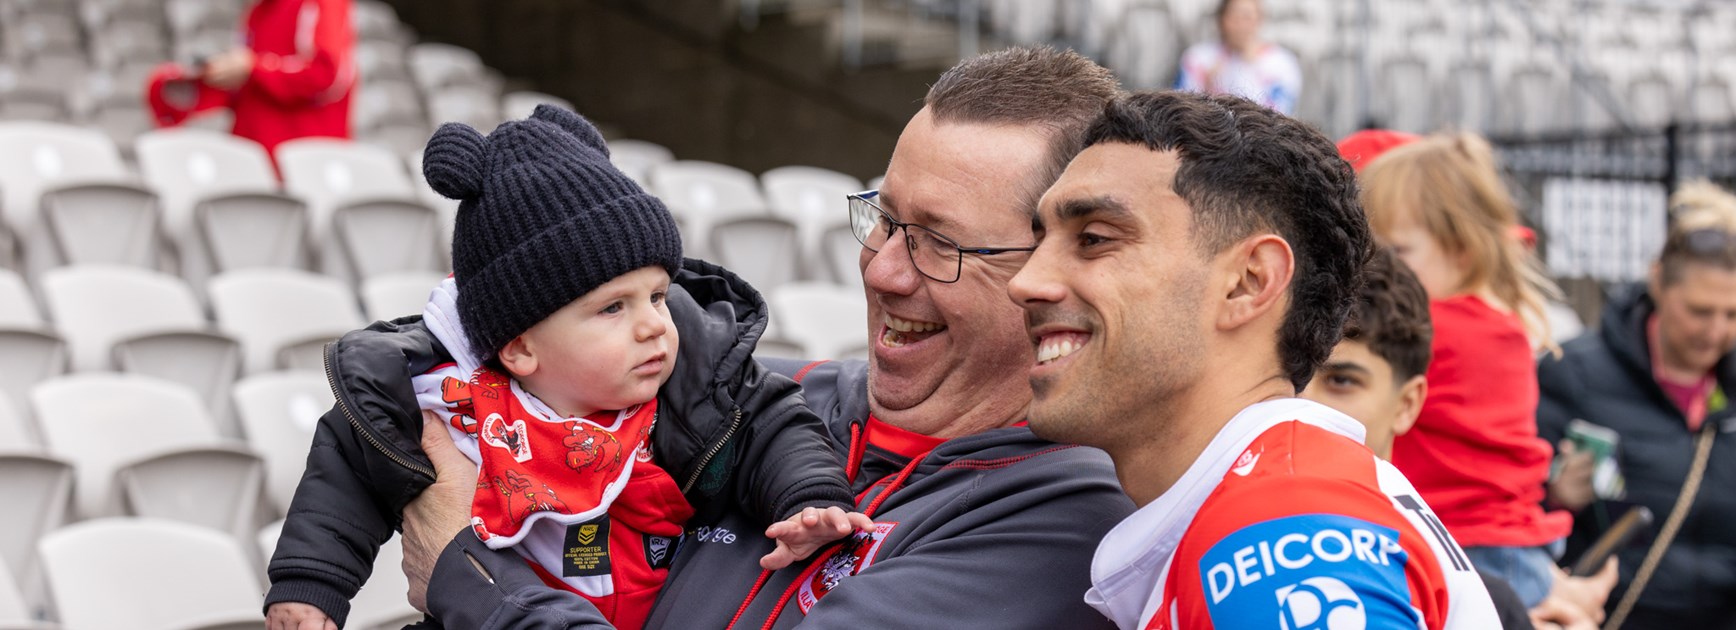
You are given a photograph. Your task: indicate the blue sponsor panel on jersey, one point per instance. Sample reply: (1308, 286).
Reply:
(1308, 572)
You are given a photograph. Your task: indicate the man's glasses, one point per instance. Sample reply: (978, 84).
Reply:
(936, 256)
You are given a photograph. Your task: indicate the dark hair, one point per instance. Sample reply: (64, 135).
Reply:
(1246, 168)
(1059, 90)
(1391, 316)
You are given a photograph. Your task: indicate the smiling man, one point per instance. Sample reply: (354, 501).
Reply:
(1195, 265)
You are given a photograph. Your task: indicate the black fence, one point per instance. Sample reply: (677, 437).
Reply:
(1599, 201)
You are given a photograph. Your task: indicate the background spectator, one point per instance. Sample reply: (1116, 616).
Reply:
(292, 78)
(1657, 373)
(1474, 453)
(1241, 63)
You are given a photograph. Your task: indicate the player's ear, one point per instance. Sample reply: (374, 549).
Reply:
(1257, 275)
(518, 357)
(1410, 403)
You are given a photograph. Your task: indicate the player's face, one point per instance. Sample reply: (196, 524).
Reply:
(1114, 296)
(610, 349)
(1360, 384)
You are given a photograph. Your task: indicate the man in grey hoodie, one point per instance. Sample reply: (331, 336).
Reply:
(979, 524)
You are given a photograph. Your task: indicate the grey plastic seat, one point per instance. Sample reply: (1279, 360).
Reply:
(279, 411)
(150, 574)
(281, 316)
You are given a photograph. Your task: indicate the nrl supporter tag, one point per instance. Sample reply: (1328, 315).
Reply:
(587, 549)
(660, 551)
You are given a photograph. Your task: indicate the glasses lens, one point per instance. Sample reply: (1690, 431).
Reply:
(936, 256)
(868, 224)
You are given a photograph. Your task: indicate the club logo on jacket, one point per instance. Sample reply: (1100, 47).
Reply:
(849, 557)
(1320, 603)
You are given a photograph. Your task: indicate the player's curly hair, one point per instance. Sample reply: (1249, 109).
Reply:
(1247, 169)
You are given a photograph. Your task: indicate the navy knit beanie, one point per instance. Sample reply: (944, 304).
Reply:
(543, 218)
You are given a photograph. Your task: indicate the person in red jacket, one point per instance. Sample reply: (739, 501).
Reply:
(291, 79)
(1438, 202)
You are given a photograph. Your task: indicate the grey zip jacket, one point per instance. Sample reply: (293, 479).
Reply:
(991, 530)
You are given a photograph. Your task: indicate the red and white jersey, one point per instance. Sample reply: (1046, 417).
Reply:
(1287, 521)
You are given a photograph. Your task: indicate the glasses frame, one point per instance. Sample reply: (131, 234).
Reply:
(867, 197)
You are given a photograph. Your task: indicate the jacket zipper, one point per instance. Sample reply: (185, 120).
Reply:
(734, 424)
(360, 427)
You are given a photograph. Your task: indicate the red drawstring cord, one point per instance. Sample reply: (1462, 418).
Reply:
(858, 447)
(778, 609)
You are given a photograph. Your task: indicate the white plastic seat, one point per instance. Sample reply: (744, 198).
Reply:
(437, 65)
(703, 194)
(15, 612)
(828, 320)
(36, 157)
(279, 411)
(390, 296)
(38, 491)
(83, 302)
(17, 308)
(150, 574)
(32, 356)
(841, 254)
(1406, 96)
(381, 59)
(146, 446)
(636, 157)
(814, 198)
(221, 202)
(474, 104)
(763, 250)
(271, 311)
(334, 176)
(521, 104)
(103, 224)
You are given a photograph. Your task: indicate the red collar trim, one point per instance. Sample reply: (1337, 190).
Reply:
(905, 443)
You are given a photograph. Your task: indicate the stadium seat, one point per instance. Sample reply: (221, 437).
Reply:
(381, 60)
(190, 17)
(1407, 98)
(1652, 100)
(705, 193)
(435, 66)
(279, 411)
(370, 189)
(38, 491)
(15, 613)
(373, 20)
(150, 574)
(813, 198)
(36, 157)
(390, 296)
(636, 157)
(282, 317)
(474, 104)
(103, 224)
(765, 250)
(841, 255)
(387, 101)
(17, 307)
(520, 105)
(117, 41)
(826, 319)
(778, 348)
(82, 302)
(1144, 46)
(146, 446)
(221, 203)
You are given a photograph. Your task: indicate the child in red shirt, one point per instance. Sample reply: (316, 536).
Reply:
(1474, 454)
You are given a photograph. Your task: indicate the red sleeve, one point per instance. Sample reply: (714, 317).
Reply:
(174, 96)
(323, 66)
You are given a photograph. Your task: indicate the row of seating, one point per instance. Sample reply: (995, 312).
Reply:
(159, 574)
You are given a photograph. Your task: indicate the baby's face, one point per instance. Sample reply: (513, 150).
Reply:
(610, 349)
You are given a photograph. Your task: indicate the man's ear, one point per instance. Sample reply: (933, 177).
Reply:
(1410, 403)
(1258, 274)
(518, 357)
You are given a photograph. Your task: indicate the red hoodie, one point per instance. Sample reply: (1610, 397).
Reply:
(303, 74)
(1474, 452)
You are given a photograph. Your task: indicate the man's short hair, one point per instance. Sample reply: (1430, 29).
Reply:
(1246, 168)
(1059, 90)
(1391, 316)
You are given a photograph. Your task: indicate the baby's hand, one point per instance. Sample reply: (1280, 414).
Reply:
(297, 616)
(803, 533)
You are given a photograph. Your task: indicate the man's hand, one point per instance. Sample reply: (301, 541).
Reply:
(1588, 594)
(229, 70)
(297, 616)
(1571, 486)
(803, 533)
(443, 510)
